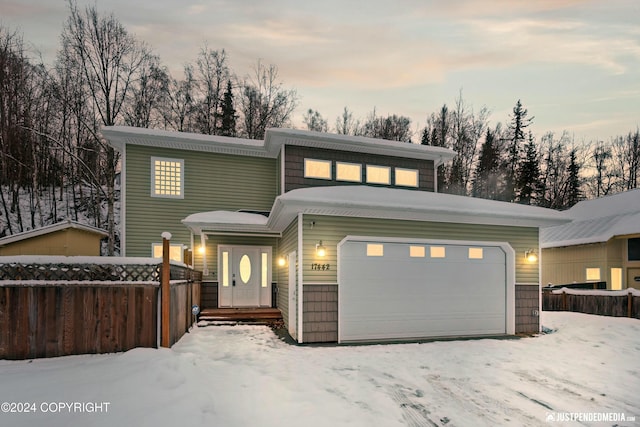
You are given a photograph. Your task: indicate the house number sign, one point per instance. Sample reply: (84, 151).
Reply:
(322, 267)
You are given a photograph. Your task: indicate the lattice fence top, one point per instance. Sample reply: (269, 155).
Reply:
(80, 272)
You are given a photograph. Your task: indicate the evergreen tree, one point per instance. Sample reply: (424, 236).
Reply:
(228, 114)
(519, 122)
(528, 181)
(574, 195)
(485, 182)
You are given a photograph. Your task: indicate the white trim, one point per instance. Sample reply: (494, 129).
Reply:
(123, 200)
(510, 272)
(203, 242)
(292, 302)
(300, 284)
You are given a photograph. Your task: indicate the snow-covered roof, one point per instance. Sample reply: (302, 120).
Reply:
(392, 203)
(227, 221)
(270, 147)
(377, 202)
(595, 221)
(63, 225)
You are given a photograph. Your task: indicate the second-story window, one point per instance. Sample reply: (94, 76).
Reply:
(320, 169)
(378, 174)
(348, 172)
(167, 177)
(406, 177)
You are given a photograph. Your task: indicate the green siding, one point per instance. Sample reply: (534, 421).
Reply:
(331, 230)
(212, 182)
(288, 244)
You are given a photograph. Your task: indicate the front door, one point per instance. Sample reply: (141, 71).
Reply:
(244, 276)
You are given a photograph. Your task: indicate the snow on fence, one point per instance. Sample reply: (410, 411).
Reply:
(622, 303)
(56, 306)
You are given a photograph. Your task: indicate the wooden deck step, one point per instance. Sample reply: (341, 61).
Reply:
(250, 314)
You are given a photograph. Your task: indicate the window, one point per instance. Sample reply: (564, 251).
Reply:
(593, 274)
(320, 169)
(406, 177)
(225, 269)
(265, 270)
(616, 279)
(348, 172)
(437, 251)
(167, 178)
(476, 253)
(417, 251)
(378, 174)
(375, 249)
(175, 251)
(633, 249)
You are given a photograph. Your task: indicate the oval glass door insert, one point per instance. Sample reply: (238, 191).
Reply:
(245, 268)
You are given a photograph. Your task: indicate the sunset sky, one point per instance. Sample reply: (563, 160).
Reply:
(574, 64)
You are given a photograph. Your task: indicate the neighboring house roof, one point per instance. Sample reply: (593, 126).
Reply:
(270, 147)
(595, 221)
(51, 229)
(387, 203)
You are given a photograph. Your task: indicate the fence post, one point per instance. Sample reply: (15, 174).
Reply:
(629, 304)
(165, 292)
(564, 301)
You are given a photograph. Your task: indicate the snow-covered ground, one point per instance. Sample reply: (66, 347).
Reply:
(246, 376)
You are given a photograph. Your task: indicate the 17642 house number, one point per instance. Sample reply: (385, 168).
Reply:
(322, 267)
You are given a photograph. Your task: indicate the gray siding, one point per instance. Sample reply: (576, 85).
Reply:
(294, 167)
(320, 319)
(211, 182)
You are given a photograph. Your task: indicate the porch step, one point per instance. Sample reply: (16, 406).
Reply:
(251, 314)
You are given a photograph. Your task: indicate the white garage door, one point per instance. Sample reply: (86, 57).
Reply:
(402, 290)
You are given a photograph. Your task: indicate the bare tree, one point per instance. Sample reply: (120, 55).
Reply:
(147, 95)
(212, 74)
(346, 124)
(110, 59)
(179, 102)
(392, 127)
(314, 121)
(264, 102)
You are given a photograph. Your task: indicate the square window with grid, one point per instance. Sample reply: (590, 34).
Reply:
(167, 177)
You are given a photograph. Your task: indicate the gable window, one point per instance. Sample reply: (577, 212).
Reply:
(348, 172)
(406, 177)
(167, 178)
(175, 251)
(320, 169)
(378, 174)
(633, 249)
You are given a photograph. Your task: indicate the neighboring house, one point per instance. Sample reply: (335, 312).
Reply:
(600, 244)
(346, 235)
(67, 238)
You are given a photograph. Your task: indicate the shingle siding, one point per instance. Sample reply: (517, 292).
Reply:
(294, 167)
(320, 318)
(527, 309)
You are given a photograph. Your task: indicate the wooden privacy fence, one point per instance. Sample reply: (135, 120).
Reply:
(54, 307)
(624, 303)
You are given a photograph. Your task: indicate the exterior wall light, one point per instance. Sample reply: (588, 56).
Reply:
(531, 256)
(321, 251)
(201, 249)
(282, 261)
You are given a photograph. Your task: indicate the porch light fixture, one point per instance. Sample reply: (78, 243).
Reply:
(282, 261)
(531, 256)
(321, 251)
(201, 249)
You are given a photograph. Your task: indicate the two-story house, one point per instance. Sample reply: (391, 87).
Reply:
(346, 235)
